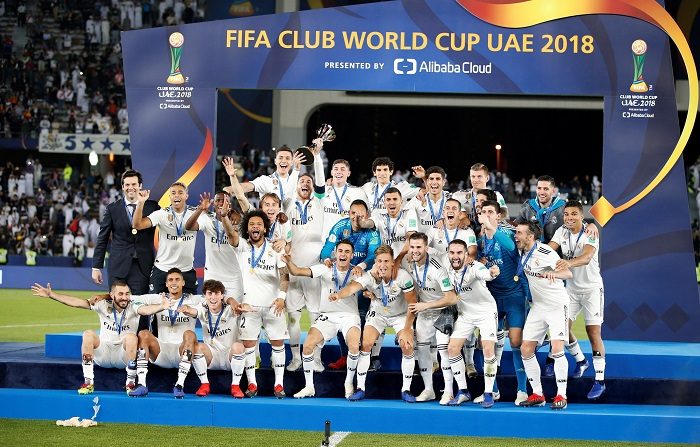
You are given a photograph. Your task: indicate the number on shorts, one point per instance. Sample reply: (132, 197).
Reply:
(242, 326)
(371, 314)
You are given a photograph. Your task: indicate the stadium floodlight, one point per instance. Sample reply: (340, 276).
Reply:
(92, 158)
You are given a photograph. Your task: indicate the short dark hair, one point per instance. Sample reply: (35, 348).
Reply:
(458, 242)
(346, 242)
(175, 270)
(435, 170)
(306, 174)
(119, 282)
(246, 218)
(132, 173)
(489, 193)
(213, 285)
(534, 229)
(418, 235)
(574, 204)
(382, 161)
(341, 161)
(452, 199)
(283, 148)
(222, 191)
(547, 178)
(392, 190)
(359, 202)
(492, 203)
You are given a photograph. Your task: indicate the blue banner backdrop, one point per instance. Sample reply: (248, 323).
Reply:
(438, 46)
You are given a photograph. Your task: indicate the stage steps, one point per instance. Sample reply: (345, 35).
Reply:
(596, 422)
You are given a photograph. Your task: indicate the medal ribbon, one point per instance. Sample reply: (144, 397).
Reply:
(385, 293)
(173, 313)
(280, 186)
(392, 233)
(212, 331)
(461, 280)
(303, 213)
(339, 200)
(447, 236)
(180, 224)
(572, 248)
(432, 210)
(271, 233)
(377, 196)
(119, 324)
(335, 278)
(254, 262)
(219, 235)
(425, 271)
(521, 265)
(129, 212)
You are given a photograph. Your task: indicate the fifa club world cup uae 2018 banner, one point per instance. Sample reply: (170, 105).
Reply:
(617, 49)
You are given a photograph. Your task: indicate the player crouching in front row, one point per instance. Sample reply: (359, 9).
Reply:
(221, 349)
(116, 345)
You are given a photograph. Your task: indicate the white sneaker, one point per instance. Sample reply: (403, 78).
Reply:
(307, 391)
(446, 397)
(349, 389)
(294, 365)
(426, 395)
(471, 370)
(520, 398)
(480, 399)
(318, 366)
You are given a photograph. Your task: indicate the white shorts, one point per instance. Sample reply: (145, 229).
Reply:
(556, 319)
(250, 324)
(220, 359)
(330, 323)
(169, 356)
(591, 302)
(380, 321)
(486, 323)
(110, 355)
(304, 292)
(425, 329)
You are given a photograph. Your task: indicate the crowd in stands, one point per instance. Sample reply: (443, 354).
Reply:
(67, 76)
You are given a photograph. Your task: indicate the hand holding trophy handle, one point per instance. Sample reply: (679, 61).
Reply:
(325, 133)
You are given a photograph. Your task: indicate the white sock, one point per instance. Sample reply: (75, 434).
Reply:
(353, 360)
(250, 366)
(490, 369)
(532, 369)
(88, 372)
(575, 351)
(459, 371)
(307, 362)
(445, 366)
(183, 368)
(561, 372)
(599, 366)
(500, 343)
(130, 372)
(362, 368)
(468, 349)
(278, 364)
(407, 365)
(425, 364)
(237, 366)
(141, 366)
(377, 346)
(294, 333)
(200, 367)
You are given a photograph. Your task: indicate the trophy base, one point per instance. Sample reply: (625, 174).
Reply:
(639, 87)
(176, 79)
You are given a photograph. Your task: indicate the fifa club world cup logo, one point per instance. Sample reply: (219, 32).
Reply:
(176, 40)
(639, 50)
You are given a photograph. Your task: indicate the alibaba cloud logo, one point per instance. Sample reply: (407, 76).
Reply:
(405, 66)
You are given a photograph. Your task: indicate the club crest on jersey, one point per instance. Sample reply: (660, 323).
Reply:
(554, 220)
(274, 181)
(346, 233)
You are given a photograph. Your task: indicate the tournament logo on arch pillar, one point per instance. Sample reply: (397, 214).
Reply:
(176, 41)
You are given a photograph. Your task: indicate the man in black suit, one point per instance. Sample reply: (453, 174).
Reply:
(131, 255)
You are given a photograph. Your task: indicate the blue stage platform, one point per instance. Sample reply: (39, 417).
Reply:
(624, 359)
(611, 422)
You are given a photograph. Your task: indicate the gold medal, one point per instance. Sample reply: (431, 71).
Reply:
(252, 270)
(516, 278)
(134, 231)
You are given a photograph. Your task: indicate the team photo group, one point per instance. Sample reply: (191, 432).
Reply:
(441, 273)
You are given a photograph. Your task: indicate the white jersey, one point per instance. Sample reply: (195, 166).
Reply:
(275, 184)
(468, 201)
(439, 240)
(224, 326)
(470, 285)
(542, 258)
(280, 230)
(221, 261)
(175, 243)
(114, 324)
(429, 213)
(333, 280)
(261, 281)
(171, 323)
(432, 279)
(375, 193)
(586, 277)
(394, 231)
(390, 300)
(306, 220)
(336, 204)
